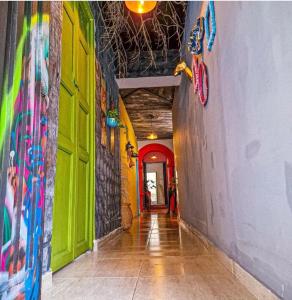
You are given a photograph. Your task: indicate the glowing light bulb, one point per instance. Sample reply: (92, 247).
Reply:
(141, 6)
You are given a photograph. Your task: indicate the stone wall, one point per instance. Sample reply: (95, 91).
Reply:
(53, 117)
(233, 157)
(108, 189)
(107, 171)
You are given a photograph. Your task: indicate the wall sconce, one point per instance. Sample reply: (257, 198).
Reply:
(182, 67)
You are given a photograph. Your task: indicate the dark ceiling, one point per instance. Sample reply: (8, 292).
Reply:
(142, 44)
(149, 108)
(145, 45)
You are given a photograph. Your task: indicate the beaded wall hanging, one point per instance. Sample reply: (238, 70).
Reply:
(210, 14)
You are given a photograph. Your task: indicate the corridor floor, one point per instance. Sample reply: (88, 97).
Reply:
(156, 259)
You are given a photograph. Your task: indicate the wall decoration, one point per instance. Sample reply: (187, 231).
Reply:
(195, 43)
(195, 69)
(23, 137)
(182, 67)
(130, 154)
(103, 95)
(113, 118)
(103, 107)
(203, 84)
(210, 13)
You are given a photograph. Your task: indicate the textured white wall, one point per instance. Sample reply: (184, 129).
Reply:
(234, 157)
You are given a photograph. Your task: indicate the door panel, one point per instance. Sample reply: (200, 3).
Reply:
(71, 219)
(68, 40)
(82, 209)
(83, 67)
(62, 239)
(66, 111)
(83, 129)
(83, 182)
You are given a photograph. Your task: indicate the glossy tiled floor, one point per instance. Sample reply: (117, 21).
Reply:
(156, 259)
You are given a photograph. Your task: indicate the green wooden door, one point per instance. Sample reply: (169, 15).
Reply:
(74, 188)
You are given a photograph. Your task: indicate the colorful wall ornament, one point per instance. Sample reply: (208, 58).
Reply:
(195, 46)
(196, 37)
(23, 136)
(210, 13)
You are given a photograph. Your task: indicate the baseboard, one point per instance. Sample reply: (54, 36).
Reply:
(255, 287)
(99, 242)
(47, 281)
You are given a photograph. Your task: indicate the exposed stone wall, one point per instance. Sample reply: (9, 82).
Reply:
(107, 170)
(53, 117)
(108, 186)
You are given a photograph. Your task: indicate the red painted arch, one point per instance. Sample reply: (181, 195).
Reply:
(169, 163)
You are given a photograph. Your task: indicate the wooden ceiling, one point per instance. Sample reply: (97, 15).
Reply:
(150, 105)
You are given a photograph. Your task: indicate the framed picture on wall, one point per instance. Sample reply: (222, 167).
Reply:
(103, 106)
(103, 96)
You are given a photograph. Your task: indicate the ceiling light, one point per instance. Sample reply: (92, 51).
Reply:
(153, 157)
(152, 136)
(140, 7)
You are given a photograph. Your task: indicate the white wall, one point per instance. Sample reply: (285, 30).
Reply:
(234, 156)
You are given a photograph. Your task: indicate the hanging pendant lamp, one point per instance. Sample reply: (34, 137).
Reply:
(140, 7)
(152, 135)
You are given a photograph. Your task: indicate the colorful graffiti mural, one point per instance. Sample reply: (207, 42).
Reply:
(23, 135)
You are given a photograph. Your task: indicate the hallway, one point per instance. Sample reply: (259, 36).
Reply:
(156, 259)
(114, 112)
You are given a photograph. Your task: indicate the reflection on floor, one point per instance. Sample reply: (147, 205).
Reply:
(156, 259)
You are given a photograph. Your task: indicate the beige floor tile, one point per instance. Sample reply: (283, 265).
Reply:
(155, 259)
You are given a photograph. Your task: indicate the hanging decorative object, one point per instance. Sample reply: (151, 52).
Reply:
(140, 7)
(203, 84)
(130, 154)
(112, 118)
(195, 43)
(210, 14)
(195, 69)
(182, 67)
(152, 135)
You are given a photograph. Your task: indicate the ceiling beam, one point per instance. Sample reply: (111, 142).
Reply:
(148, 82)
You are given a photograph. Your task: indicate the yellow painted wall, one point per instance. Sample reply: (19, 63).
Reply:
(128, 175)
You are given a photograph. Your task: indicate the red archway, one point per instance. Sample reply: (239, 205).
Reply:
(169, 163)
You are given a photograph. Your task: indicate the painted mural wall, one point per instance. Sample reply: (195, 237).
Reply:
(233, 156)
(23, 137)
(128, 174)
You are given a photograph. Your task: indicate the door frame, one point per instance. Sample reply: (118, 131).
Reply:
(154, 147)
